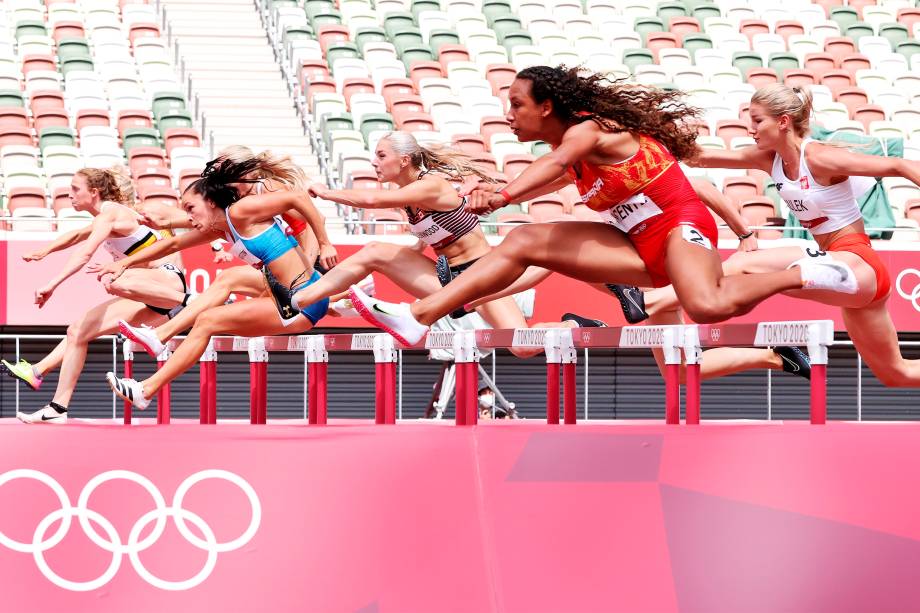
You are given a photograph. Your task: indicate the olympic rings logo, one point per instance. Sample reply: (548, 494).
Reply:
(134, 546)
(914, 295)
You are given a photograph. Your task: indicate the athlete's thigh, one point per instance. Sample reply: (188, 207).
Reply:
(694, 268)
(502, 313)
(874, 335)
(409, 269)
(104, 318)
(140, 277)
(244, 280)
(255, 317)
(588, 251)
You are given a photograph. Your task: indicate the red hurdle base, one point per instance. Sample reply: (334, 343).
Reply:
(129, 373)
(163, 401)
(258, 392)
(208, 388)
(317, 386)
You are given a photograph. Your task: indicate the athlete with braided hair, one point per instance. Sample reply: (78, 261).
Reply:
(620, 145)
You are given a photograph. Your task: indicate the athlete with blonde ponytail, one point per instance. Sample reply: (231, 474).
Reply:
(146, 295)
(426, 188)
(816, 181)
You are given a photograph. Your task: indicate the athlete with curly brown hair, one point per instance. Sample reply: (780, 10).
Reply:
(619, 144)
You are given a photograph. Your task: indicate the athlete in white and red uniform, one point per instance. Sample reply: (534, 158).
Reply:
(820, 183)
(620, 145)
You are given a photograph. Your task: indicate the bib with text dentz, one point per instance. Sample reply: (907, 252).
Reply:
(631, 212)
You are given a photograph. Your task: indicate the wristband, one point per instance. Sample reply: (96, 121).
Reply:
(741, 237)
(504, 194)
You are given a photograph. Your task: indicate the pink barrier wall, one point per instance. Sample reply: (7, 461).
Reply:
(555, 296)
(504, 518)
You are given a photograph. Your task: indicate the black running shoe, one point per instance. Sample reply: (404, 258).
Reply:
(445, 276)
(632, 300)
(794, 361)
(584, 322)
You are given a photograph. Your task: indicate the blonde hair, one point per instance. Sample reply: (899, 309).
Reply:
(451, 162)
(779, 99)
(277, 168)
(125, 183)
(106, 182)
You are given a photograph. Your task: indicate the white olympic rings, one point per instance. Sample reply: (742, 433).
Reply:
(914, 295)
(112, 543)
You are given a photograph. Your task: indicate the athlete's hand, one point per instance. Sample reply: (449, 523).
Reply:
(112, 268)
(328, 256)
(222, 256)
(318, 190)
(483, 202)
(34, 256)
(473, 182)
(42, 295)
(748, 244)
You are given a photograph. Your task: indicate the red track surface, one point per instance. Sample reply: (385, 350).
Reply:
(499, 517)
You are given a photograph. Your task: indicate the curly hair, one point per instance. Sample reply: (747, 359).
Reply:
(217, 177)
(106, 182)
(578, 96)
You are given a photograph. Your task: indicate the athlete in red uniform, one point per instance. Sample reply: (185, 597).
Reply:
(620, 145)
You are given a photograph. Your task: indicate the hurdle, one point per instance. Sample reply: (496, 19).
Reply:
(682, 345)
(815, 335)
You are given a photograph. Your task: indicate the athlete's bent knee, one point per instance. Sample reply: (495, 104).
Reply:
(895, 376)
(707, 312)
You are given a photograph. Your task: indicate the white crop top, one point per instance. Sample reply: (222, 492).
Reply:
(819, 208)
(120, 247)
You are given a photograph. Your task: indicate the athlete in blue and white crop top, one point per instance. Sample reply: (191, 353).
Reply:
(263, 248)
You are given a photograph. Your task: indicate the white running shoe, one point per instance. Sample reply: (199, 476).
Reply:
(143, 335)
(129, 390)
(344, 308)
(396, 319)
(367, 285)
(832, 275)
(45, 415)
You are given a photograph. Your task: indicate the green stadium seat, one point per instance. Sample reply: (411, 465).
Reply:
(666, 10)
(493, 9)
(164, 102)
(316, 7)
(405, 37)
(645, 25)
(637, 57)
(781, 62)
(705, 10)
(845, 16)
(894, 32)
(30, 28)
(416, 53)
(76, 64)
(174, 119)
(56, 136)
(908, 48)
(73, 48)
(858, 30)
(540, 148)
(140, 137)
(338, 51)
(370, 35)
(11, 97)
(694, 42)
(745, 60)
(505, 24)
(324, 18)
(376, 121)
(515, 39)
(398, 20)
(436, 38)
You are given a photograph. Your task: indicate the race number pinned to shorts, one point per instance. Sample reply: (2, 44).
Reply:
(692, 235)
(815, 254)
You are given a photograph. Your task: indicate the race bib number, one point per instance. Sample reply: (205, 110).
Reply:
(628, 214)
(816, 254)
(430, 232)
(692, 235)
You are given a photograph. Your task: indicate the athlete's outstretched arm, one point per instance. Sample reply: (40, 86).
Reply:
(841, 162)
(159, 249)
(68, 239)
(747, 158)
(164, 216)
(100, 230)
(726, 209)
(425, 194)
(578, 142)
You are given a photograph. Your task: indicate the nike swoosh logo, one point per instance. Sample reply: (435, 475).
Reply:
(49, 418)
(379, 310)
(795, 367)
(627, 294)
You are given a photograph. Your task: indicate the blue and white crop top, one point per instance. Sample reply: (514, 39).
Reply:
(263, 248)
